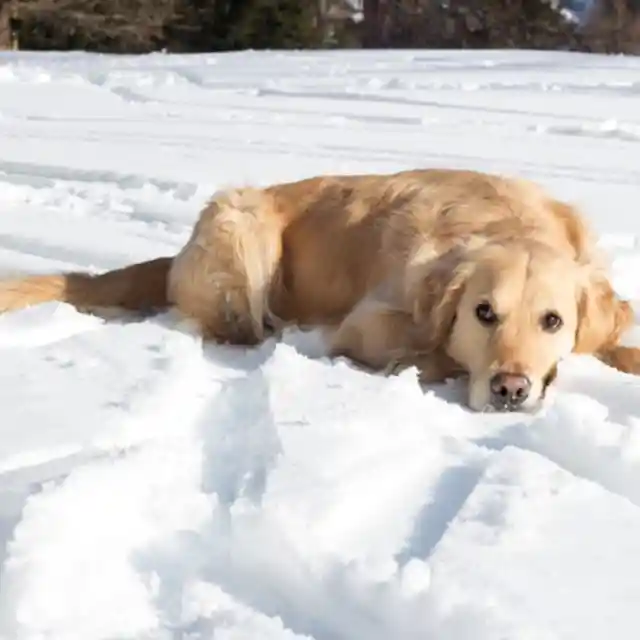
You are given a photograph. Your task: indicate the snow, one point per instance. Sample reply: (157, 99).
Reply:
(152, 487)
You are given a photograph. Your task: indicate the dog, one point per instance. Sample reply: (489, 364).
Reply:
(454, 272)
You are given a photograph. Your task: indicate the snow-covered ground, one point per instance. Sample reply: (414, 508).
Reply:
(151, 488)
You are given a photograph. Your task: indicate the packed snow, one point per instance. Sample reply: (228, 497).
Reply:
(152, 487)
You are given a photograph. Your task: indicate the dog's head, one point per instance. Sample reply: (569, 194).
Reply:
(509, 313)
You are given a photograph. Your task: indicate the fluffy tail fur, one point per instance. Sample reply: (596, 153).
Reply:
(140, 287)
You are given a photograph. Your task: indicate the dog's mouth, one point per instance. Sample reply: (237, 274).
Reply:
(510, 408)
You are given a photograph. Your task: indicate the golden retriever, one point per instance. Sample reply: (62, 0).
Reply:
(454, 272)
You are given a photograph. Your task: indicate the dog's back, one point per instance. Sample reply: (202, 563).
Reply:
(307, 252)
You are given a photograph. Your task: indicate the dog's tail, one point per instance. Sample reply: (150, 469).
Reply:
(140, 287)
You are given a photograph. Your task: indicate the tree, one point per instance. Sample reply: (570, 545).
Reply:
(274, 24)
(466, 23)
(131, 26)
(613, 27)
(138, 26)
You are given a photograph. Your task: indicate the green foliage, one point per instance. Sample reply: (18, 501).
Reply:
(136, 26)
(274, 24)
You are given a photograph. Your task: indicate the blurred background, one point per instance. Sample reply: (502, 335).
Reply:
(140, 26)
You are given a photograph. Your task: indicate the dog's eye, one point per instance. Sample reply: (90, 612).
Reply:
(486, 314)
(551, 321)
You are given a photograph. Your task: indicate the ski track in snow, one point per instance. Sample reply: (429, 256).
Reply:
(155, 488)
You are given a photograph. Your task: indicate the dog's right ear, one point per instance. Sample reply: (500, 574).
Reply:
(434, 291)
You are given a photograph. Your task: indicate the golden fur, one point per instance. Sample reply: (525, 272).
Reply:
(455, 272)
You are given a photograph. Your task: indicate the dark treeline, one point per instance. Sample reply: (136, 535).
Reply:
(138, 26)
(611, 26)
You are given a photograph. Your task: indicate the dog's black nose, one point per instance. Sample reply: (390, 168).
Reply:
(509, 390)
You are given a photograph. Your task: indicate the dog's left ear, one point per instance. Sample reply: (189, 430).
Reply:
(434, 294)
(602, 317)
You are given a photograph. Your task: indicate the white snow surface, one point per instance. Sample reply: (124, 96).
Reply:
(155, 488)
